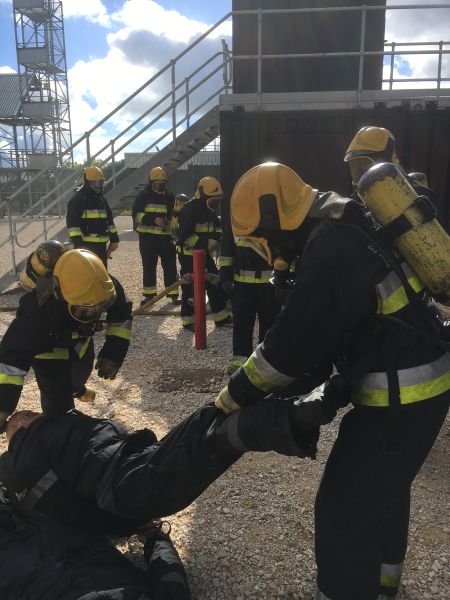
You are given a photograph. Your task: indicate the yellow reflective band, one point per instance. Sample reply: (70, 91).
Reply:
(101, 239)
(243, 243)
(244, 279)
(221, 315)
(191, 241)
(205, 228)
(173, 293)
(139, 217)
(256, 378)
(268, 372)
(74, 231)
(185, 251)
(392, 582)
(156, 208)
(408, 394)
(11, 379)
(153, 230)
(121, 332)
(187, 320)
(94, 214)
(81, 347)
(226, 261)
(113, 230)
(56, 354)
(148, 290)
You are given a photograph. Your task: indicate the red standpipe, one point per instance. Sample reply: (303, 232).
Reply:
(199, 299)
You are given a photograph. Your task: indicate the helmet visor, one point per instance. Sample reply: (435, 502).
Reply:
(359, 166)
(213, 202)
(89, 313)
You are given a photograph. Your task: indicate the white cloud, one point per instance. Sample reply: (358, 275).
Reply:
(419, 25)
(148, 36)
(92, 10)
(7, 69)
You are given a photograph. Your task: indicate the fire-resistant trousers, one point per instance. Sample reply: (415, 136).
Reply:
(362, 507)
(152, 246)
(98, 248)
(52, 376)
(251, 300)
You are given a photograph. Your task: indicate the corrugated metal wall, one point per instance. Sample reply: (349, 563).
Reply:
(313, 143)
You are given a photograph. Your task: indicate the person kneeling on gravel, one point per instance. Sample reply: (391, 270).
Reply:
(91, 473)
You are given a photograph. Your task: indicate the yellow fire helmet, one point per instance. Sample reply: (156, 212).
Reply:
(375, 143)
(82, 280)
(93, 174)
(157, 174)
(209, 187)
(269, 196)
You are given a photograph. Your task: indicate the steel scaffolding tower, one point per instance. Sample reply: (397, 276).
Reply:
(41, 58)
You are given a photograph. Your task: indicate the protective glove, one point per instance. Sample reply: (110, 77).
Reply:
(225, 402)
(226, 279)
(227, 288)
(213, 246)
(106, 368)
(160, 221)
(112, 248)
(320, 406)
(3, 418)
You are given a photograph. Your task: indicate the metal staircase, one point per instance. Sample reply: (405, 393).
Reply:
(188, 115)
(191, 141)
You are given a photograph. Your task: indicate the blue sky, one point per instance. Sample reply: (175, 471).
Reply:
(114, 46)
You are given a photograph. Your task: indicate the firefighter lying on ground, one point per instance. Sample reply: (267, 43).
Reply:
(52, 332)
(358, 305)
(43, 559)
(245, 278)
(91, 473)
(152, 212)
(89, 218)
(200, 228)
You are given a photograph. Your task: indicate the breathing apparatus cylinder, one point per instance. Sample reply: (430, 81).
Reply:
(409, 222)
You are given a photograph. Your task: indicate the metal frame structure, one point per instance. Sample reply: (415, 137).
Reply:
(189, 94)
(39, 30)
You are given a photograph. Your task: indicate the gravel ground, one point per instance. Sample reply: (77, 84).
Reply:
(250, 536)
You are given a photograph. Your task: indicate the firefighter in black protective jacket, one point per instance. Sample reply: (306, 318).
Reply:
(347, 308)
(89, 218)
(52, 332)
(152, 211)
(245, 277)
(200, 228)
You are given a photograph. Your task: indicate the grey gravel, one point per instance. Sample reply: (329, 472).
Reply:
(250, 535)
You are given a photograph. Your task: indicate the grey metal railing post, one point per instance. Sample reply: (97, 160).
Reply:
(391, 76)
(113, 165)
(174, 106)
(259, 90)
(88, 148)
(12, 237)
(441, 44)
(226, 56)
(361, 51)
(188, 117)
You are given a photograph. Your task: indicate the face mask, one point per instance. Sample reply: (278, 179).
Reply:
(96, 186)
(159, 186)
